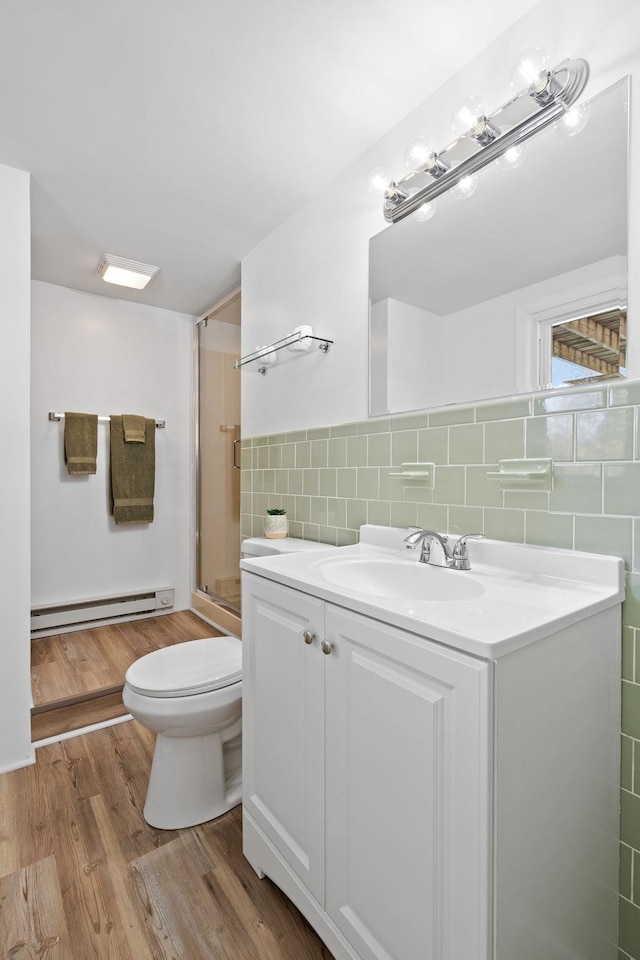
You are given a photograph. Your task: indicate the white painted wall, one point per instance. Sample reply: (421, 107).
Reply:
(99, 355)
(15, 270)
(314, 267)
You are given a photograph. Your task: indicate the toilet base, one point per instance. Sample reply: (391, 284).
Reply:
(194, 779)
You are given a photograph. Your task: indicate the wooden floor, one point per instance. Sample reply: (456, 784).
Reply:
(83, 877)
(77, 677)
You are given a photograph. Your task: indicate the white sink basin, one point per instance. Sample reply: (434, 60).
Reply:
(512, 595)
(402, 579)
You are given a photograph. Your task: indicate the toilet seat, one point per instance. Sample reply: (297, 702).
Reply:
(186, 669)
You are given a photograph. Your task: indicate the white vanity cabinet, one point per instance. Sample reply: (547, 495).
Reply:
(284, 726)
(406, 772)
(417, 802)
(366, 769)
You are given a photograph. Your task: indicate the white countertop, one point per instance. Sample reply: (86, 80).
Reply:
(528, 592)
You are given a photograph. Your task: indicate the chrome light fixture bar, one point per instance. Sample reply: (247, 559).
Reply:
(551, 95)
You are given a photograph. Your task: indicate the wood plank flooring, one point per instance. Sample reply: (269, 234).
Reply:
(77, 677)
(83, 877)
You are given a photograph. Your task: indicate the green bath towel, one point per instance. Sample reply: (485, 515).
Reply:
(80, 442)
(134, 428)
(133, 467)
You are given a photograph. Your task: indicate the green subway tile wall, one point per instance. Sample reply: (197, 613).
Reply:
(335, 478)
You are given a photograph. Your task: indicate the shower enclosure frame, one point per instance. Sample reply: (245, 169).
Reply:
(224, 616)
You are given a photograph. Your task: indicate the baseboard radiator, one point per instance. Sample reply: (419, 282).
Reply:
(74, 615)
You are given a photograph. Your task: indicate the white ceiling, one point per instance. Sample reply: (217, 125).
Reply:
(181, 132)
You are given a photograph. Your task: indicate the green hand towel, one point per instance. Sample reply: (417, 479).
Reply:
(132, 474)
(134, 428)
(80, 442)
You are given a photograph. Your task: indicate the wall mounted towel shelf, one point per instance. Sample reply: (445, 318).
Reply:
(416, 471)
(519, 472)
(160, 424)
(266, 354)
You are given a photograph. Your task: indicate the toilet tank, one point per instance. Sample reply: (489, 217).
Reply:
(266, 547)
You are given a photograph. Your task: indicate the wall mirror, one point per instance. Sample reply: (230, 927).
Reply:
(519, 287)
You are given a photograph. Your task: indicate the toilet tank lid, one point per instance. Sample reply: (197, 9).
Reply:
(266, 546)
(184, 669)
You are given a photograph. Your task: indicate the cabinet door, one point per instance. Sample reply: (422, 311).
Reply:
(283, 723)
(407, 793)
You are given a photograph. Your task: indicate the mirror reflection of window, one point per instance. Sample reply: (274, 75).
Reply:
(589, 349)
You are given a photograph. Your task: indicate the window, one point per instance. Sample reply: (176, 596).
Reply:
(589, 349)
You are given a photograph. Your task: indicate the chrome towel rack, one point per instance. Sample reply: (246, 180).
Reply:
(160, 424)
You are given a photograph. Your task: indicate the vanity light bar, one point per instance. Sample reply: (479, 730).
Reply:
(399, 205)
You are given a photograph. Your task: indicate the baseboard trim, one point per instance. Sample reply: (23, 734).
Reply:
(19, 764)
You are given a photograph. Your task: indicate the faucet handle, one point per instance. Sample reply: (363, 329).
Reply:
(469, 536)
(414, 537)
(459, 555)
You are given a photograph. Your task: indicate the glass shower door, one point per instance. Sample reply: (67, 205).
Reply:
(218, 534)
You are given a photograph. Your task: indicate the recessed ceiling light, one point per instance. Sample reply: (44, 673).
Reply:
(126, 273)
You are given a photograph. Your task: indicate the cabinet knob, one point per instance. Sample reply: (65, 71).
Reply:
(308, 637)
(326, 646)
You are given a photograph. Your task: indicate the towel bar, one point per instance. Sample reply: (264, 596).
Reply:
(160, 424)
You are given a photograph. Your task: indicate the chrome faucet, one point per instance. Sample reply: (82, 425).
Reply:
(455, 559)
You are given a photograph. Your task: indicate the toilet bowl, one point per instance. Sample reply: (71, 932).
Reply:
(190, 695)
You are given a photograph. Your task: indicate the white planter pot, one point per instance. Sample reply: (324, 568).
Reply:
(277, 527)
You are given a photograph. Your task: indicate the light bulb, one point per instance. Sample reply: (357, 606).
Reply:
(574, 120)
(531, 70)
(378, 181)
(417, 154)
(465, 187)
(465, 118)
(512, 157)
(425, 212)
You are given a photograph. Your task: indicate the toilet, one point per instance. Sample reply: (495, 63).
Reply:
(190, 695)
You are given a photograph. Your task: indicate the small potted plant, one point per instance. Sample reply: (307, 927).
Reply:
(275, 523)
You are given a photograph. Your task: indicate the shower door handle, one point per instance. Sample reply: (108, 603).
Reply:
(235, 447)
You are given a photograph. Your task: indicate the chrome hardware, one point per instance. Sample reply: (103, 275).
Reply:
(456, 559)
(53, 415)
(425, 538)
(414, 536)
(460, 557)
(296, 337)
(326, 646)
(425, 550)
(308, 637)
(552, 95)
(436, 167)
(235, 459)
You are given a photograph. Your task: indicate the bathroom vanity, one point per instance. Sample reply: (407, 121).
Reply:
(436, 779)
